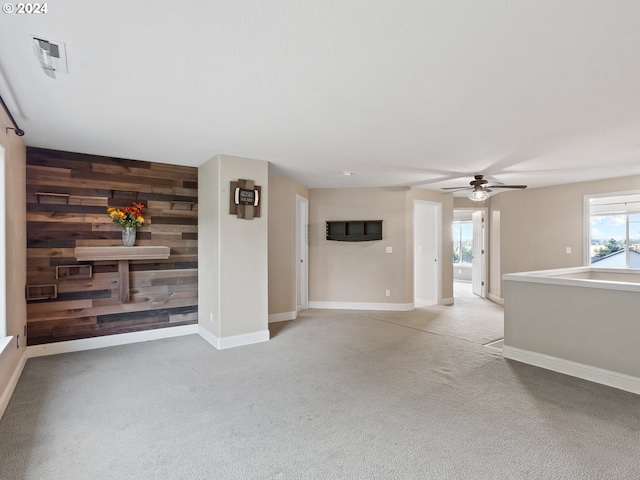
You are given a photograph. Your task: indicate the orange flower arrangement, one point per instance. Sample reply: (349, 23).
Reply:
(127, 216)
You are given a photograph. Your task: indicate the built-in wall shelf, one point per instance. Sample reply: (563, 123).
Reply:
(50, 197)
(122, 255)
(179, 205)
(42, 292)
(73, 272)
(354, 230)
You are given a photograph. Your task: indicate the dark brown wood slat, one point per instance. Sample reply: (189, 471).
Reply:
(165, 312)
(121, 178)
(83, 157)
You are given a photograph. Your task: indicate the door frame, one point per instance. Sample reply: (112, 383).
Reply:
(485, 242)
(302, 252)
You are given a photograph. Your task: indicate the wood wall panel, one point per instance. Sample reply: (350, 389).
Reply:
(164, 293)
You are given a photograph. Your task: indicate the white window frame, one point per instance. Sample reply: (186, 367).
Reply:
(586, 224)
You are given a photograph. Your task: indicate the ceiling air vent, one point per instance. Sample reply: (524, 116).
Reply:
(51, 54)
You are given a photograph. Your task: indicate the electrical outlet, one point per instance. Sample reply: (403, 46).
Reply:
(387, 293)
(389, 249)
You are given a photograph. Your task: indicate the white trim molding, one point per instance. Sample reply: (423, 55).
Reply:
(560, 276)
(397, 307)
(5, 342)
(496, 299)
(282, 317)
(13, 381)
(109, 340)
(579, 370)
(234, 340)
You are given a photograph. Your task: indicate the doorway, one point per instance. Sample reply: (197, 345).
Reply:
(302, 252)
(469, 252)
(427, 244)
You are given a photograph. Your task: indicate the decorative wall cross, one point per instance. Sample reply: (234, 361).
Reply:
(244, 199)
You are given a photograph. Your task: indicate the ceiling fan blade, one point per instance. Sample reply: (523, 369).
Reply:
(455, 188)
(507, 186)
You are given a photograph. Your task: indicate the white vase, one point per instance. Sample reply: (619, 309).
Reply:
(128, 236)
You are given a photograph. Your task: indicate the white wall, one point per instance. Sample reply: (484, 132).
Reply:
(536, 225)
(282, 243)
(342, 272)
(236, 292)
(209, 246)
(463, 271)
(358, 272)
(12, 359)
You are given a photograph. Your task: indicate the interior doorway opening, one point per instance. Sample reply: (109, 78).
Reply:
(470, 244)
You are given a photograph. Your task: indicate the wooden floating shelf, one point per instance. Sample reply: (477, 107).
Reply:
(95, 254)
(122, 255)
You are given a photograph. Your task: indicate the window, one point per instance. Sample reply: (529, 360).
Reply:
(614, 231)
(4, 340)
(462, 242)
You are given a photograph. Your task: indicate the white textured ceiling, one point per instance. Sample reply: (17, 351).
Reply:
(421, 93)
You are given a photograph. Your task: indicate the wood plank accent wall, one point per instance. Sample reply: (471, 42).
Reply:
(67, 198)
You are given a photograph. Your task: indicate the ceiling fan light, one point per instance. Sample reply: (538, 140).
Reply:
(478, 196)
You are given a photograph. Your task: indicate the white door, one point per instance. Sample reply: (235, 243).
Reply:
(477, 262)
(427, 219)
(302, 252)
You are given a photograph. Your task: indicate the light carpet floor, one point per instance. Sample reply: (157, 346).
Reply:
(333, 395)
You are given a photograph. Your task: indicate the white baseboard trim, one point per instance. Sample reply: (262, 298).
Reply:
(580, 370)
(109, 340)
(235, 340)
(398, 307)
(282, 317)
(496, 299)
(447, 301)
(13, 381)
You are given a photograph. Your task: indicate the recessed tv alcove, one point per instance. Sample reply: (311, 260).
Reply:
(354, 230)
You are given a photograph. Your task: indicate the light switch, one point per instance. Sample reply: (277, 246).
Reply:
(389, 250)
(567, 250)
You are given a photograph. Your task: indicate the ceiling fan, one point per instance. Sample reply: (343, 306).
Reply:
(480, 189)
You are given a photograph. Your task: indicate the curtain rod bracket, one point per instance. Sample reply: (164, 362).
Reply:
(16, 129)
(19, 132)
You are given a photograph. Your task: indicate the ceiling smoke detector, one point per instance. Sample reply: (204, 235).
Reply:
(51, 54)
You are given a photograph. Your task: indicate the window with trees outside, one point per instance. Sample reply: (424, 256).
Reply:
(614, 232)
(462, 241)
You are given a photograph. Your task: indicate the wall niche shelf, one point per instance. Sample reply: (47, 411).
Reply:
(73, 272)
(122, 255)
(42, 292)
(354, 230)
